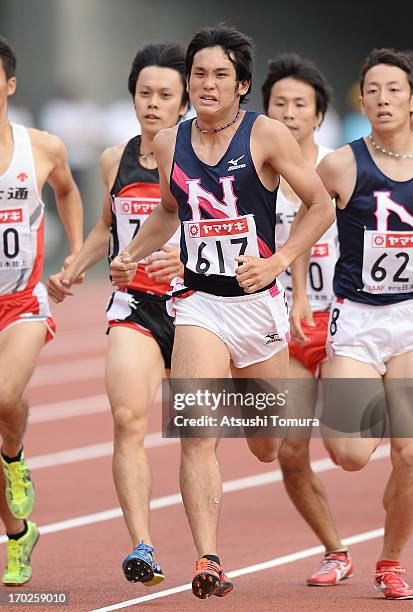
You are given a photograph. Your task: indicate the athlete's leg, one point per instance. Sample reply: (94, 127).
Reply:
(351, 453)
(20, 347)
(398, 495)
(304, 486)
(198, 353)
(265, 449)
(134, 370)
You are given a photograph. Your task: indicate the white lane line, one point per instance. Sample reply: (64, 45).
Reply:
(239, 484)
(92, 451)
(250, 569)
(43, 413)
(77, 341)
(68, 371)
(90, 404)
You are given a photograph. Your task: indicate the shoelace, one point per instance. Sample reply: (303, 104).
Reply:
(392, 576)
(330, 562)
(207, 564)
(146, 550)
(19, 479)
(13, 556)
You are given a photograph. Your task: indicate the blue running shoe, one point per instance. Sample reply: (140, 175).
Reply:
(140, 566)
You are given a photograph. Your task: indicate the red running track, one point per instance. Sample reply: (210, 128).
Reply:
(84, 538)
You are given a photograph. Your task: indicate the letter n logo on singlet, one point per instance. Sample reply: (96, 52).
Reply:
(198, 197)
(385, 206)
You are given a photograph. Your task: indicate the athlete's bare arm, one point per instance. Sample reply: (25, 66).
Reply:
(161, 224)
(95, 246)
(275, 150)
(51, 165)
(337, 170)
(301, 308)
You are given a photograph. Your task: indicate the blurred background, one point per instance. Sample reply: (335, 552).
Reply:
(74, 58)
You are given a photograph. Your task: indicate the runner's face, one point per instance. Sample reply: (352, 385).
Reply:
(158, 98)
(7, 86)
(387, 100)
(212, 85)
(293, 103)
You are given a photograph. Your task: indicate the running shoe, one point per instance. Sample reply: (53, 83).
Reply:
(389, 581)
(209, 579)
(19, 487)
(18, 570)
(335, 567)
(140, 566)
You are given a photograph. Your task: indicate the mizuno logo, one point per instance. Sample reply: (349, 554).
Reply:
(272, 338)
(234, 162)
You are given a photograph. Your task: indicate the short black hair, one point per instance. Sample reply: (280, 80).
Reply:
(238, 47)
(164, 55)
(8, 58)
(391, 57)
(293, 65)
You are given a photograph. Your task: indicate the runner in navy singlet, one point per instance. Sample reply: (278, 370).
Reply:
(220, 174)
(370, 328)
(141, 332)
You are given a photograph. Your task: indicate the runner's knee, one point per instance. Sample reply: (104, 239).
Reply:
(293, 458)
(129, 422)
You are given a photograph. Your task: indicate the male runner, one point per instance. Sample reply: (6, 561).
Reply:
(296, 93)
(370, 330)
(225, 165)
(28, 158)
(141, 332)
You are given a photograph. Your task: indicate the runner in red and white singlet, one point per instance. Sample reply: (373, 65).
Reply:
(296, 93)
(28, 159)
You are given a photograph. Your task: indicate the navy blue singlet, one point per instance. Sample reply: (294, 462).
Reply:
(373, 189)
(233, 178)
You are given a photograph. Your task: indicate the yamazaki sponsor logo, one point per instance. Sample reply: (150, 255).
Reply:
(11, 216)
(392, 241)
(135, 207)
(320, 250)
(202, 229)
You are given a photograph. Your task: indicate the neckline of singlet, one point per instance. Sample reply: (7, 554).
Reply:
(13, 158)
(226, 150)
(378, 169)
(136, 156)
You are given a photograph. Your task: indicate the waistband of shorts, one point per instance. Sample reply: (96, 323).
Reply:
(233, 299)
(373, 307)
(145, 296)
(218, 286)
(16, 295)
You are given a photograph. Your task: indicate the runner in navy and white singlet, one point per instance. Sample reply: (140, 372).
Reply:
(141, 331)
(370, 328)
(220, 174)
(296, 93)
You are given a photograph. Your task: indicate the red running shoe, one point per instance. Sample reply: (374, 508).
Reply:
(335, 567)
(209, 579)
(388, 580)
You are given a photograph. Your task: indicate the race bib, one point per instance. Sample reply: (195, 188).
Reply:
(387, 262)
(15, 239)
(131, 213)
(213, 244)
(320, 276)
